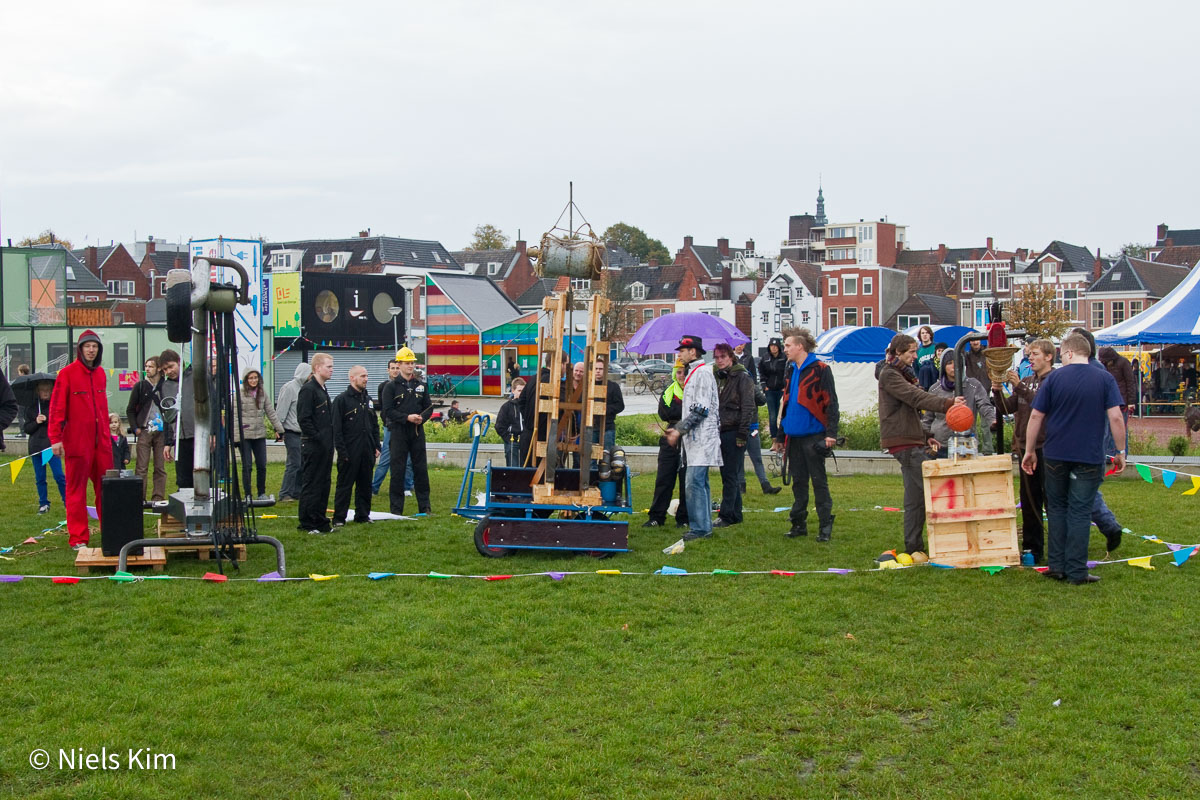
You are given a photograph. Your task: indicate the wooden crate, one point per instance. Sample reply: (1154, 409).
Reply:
(89, 558)
(970, 511)
(168, 526)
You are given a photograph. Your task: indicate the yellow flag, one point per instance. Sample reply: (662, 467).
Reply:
(317, 577)
(15, 467)
(1195, 486)
(1143, 562)
(608, 572)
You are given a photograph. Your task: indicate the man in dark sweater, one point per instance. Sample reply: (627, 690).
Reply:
(737, 411)
(510, 425)
(614, 405)
(356, 438)
(314, 414)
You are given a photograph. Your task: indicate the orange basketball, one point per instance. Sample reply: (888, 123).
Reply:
(960, 419)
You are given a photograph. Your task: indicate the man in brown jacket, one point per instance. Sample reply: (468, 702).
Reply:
(903, 435)
(1020, 404)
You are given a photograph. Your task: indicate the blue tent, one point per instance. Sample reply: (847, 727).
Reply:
(1173, 320)
(950, 334)
(852, 344)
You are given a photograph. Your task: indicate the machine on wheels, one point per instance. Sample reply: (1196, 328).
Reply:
(214, 513)
(564, 496)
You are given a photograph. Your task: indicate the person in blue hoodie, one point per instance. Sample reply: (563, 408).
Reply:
(808, 428)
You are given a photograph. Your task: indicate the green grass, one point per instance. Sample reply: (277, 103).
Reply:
(921, 682)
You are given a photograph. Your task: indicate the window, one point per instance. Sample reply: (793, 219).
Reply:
(803, 317)
(494, 267)
(785, 299)
(850, 285)
(281, 261)
(121, 355)
(1135, 307)
(323, 259)
(1049, 268)
(647, 314)
(1097, 315)
(340, 260)
(638, 291)
(693, 292)
(662, 312)
(851, 316)
(771, 293)
(833, 287)
(868, 316)
(584, 284)
(1003, 280)
(968, 280)
(964, 317)
(367, 256)
(57, 350)
(833, 317)
(985, 280)
(868, 284)
(112, 287)
(766, 317)
(1118, 314)
(162, 288)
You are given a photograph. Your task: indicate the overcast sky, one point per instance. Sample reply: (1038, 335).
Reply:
(1026, 121)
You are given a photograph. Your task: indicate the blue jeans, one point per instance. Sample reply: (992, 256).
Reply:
(1070, 494)
(699, 503)
(774, 397)
(385, 459)
(39, 476)
(512, 453)
(291, 470)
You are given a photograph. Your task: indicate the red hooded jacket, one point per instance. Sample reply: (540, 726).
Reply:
(79, 404)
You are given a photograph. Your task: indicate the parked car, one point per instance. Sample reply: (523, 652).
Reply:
(627, 363)
(653, 366)
(615, 370)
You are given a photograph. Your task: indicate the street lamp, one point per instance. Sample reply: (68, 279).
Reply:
(409, 283)
(395, 311)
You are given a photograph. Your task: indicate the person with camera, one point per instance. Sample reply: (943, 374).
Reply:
(808, 426)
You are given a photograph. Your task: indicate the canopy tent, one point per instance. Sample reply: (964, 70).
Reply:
(851, 344)
(852, 353)
(949, 334)
(1173, 320)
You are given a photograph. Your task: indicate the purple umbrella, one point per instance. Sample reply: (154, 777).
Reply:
(662, 334)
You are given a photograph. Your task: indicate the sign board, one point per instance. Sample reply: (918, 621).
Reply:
(286, 305)
(340, 310)
(247, 319)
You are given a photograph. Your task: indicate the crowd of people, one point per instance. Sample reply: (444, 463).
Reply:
(1068, 424)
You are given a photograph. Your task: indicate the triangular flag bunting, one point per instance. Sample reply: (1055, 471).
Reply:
(15, 468)
(558, 576)
(1168, 478)
(437, 575)
(47, 454)
(123, 577)
(269, 576)
(666, 570)
(781, 572)
(316, 577)
(30, 540)
(378, 576)
(992, 569)
(1195, 485)
(1143, 562)
(724, 572)
(1144, 471)
(497, 577)
(11, 578)
(215, 578)
(608, 572)
(64, 579)
(1183, 555)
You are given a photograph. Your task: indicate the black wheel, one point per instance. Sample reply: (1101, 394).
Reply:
(483, 541)
(179, 312)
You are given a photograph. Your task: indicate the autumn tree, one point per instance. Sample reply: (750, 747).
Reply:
(1131, 249)
(488, 237)
(1034, 311)
(635, 242)
(47, 236)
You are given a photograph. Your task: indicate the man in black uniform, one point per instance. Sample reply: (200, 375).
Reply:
(314, 414)
(406, 408)
(356, 437)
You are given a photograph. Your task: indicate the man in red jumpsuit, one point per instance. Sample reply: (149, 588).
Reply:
(79, 431)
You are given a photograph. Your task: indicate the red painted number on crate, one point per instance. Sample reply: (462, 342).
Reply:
(946, 489)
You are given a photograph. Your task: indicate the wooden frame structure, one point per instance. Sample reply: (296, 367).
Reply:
(568, 413)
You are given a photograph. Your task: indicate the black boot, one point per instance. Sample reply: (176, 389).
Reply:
(826, 531)
(769, 489)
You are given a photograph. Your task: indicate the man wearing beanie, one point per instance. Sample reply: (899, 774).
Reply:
(79, 431)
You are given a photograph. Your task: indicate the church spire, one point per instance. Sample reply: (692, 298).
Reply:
(821, 220)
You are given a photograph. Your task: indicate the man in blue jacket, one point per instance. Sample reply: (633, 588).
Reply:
(807, 429)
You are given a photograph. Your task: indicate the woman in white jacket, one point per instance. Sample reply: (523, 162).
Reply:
(251, 430)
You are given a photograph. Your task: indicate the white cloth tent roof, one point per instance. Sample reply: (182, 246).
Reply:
(1173, 320)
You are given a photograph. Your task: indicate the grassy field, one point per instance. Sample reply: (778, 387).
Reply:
(922, 682)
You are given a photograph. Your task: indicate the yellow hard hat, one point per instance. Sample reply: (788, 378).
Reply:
(405, 354)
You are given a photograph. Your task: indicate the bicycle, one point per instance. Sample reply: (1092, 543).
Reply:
(441, 386)
(651, 384)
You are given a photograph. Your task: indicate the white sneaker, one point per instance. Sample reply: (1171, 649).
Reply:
(43, 509)
(408, 493)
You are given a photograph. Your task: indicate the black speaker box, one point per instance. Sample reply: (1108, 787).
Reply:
(120, 513)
